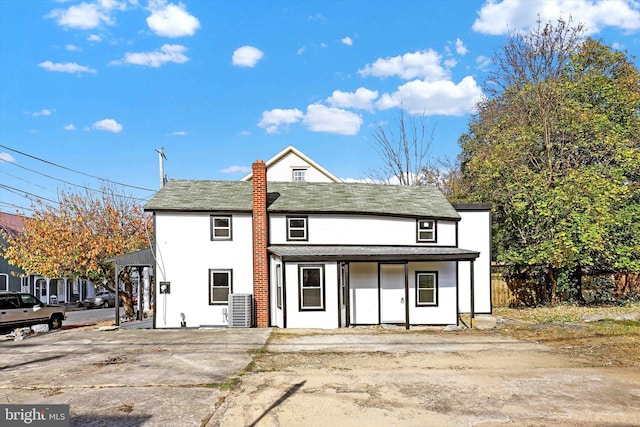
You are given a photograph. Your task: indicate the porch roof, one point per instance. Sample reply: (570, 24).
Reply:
(371, 253)
(143, 258)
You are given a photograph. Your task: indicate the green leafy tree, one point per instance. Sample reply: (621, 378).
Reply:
(556, 149)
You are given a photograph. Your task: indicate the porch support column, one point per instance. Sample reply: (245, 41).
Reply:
(472, 285)
(406, 295)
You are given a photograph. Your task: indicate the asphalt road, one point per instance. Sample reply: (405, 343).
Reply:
(90, 317)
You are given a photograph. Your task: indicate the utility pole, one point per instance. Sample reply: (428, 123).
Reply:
(162, 158)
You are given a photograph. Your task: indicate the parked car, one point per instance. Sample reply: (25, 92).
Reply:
(20, 309)
(102, 299)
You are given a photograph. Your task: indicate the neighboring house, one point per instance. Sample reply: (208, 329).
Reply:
(317, 254)
(48, 290)
(10, 276)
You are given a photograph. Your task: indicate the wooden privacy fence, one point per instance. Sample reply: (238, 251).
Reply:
(500, 294)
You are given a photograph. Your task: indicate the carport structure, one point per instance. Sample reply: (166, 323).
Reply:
(138, 259)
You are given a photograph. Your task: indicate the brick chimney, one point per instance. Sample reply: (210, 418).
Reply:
(260, 232)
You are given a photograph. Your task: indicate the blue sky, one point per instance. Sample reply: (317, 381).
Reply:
(97, 86)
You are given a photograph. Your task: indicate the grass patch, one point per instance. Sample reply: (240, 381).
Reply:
(606, 342)
(563, 313)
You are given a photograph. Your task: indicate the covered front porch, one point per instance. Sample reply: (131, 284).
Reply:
(340, 286)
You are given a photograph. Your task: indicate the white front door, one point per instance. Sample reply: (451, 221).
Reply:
(392, 303)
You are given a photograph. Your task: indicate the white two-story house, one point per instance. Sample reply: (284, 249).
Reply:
(316, 254)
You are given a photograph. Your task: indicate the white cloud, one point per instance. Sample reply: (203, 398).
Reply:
(170, 20)
(6, 157)
(167, 53)
(301, 50)
(179, 133)
(421, 64)
(272, 120)
(347, 41)
(434, 98)
(72, 48)
(107, 125)
(70, 126)
(67, 67)
(246, 56)
(235, 169)
(320, 118)
(94, 38)
(450, 63)
(84, 16)
(43, 112)
(483, 62)
(461, 48)
(507, 16)
(244, 133)
(362, 99)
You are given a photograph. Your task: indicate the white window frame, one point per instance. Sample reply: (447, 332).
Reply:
(305, 228)
(426, 226)
(6, 281)
(434, 301)
(320, 287)
(279, 286)
(229, 227)
(212, 286)
(298, 175)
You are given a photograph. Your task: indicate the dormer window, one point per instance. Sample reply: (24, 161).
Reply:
(299, 175)
(426, 230)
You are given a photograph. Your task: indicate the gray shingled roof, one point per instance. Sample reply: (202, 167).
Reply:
(303, 197)
(371, 253)
(181, 195)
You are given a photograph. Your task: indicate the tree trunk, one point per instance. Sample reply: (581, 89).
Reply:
(554, 285)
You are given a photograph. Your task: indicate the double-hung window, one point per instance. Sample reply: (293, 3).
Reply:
(297, 228)
(220, 227)
(427, 288)
(311, 287)
(426, 230)
(220, 286)
(279, 285)
(299, 175)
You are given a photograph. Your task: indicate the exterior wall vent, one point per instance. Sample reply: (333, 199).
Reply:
(240, 311)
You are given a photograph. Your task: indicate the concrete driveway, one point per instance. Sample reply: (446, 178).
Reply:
(351, 377)
(128, 377)
(374, 377)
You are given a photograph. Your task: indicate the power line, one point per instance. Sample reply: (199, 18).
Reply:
(73, 170)
(23, 193)
(16, 206)
(70, 183)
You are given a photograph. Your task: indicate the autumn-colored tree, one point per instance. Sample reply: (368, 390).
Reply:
(76, 237)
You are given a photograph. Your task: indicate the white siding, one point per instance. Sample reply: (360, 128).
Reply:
(363, 293)
(283, 168)
(474, 233)
(445, 312)
(185, 253)
(360, 230)
(327, 318)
